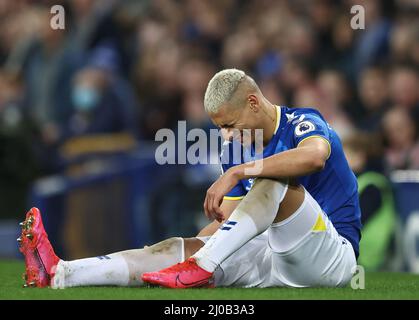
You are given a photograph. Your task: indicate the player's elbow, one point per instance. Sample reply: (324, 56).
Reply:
(317, 160)
(318, 164)
(316, 152)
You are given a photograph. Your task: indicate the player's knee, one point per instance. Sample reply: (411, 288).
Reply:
(166, 246)
(264, 199)
(187, 246)
(267, 190)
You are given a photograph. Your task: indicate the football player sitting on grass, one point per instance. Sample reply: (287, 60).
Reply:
(289, 219)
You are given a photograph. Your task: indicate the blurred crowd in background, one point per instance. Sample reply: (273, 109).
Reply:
(137, 66)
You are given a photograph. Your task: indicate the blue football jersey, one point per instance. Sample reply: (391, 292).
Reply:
(334, 188)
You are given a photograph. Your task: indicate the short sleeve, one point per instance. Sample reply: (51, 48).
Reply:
(231, 157)
(237, 193)
(311, 126)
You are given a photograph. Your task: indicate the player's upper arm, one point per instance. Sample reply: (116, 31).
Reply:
(319, 151)
(313, 132)
(319, 144)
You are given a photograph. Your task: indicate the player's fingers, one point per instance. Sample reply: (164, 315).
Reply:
(216, 205)
(210, 207)
(216, 201)
(206, 207)
(210, 196)
(220, 217)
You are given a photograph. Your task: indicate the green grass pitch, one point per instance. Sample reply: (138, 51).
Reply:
(377, 286)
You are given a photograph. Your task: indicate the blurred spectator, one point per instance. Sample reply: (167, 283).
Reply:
(139, 66)
(300, 40)
(295, 49)
(374, 97)
(194, 75)
(18, 165)
(296, 73)
(313, 97)
(400, 134)
(376, 200)
(404, 84)
(156, 80)
(47, 62)
(242, 49)
(402, 41)
(102, 102)
(334, 86)
(336, 91)
(343, 47)
(272, 91)
(372, 45)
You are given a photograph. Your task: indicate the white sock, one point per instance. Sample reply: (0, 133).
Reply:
(253, 215)
(102, 270)
(118, 269)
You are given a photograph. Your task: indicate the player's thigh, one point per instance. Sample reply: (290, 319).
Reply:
(319, 262)
(319, 256)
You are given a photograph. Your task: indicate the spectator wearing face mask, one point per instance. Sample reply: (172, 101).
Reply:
(102, 102)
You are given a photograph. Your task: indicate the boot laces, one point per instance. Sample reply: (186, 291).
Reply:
(186, 266)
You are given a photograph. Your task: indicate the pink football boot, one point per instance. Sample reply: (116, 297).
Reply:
(182, 275)
(40, 258)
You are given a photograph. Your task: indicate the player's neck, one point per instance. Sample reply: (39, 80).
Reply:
(270, 121)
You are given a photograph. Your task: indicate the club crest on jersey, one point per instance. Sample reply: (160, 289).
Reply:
(304, 127)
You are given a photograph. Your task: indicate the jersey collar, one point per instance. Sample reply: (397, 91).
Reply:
(278, 118)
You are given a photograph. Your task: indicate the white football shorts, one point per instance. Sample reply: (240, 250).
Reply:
(304, 250)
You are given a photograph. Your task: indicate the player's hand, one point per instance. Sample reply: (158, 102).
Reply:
(216, 193)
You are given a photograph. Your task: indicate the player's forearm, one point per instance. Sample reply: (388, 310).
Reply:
(288, 164)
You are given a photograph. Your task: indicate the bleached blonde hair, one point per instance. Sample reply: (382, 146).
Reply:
(221, 88)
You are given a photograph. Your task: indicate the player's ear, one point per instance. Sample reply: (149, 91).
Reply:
(253, 102)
